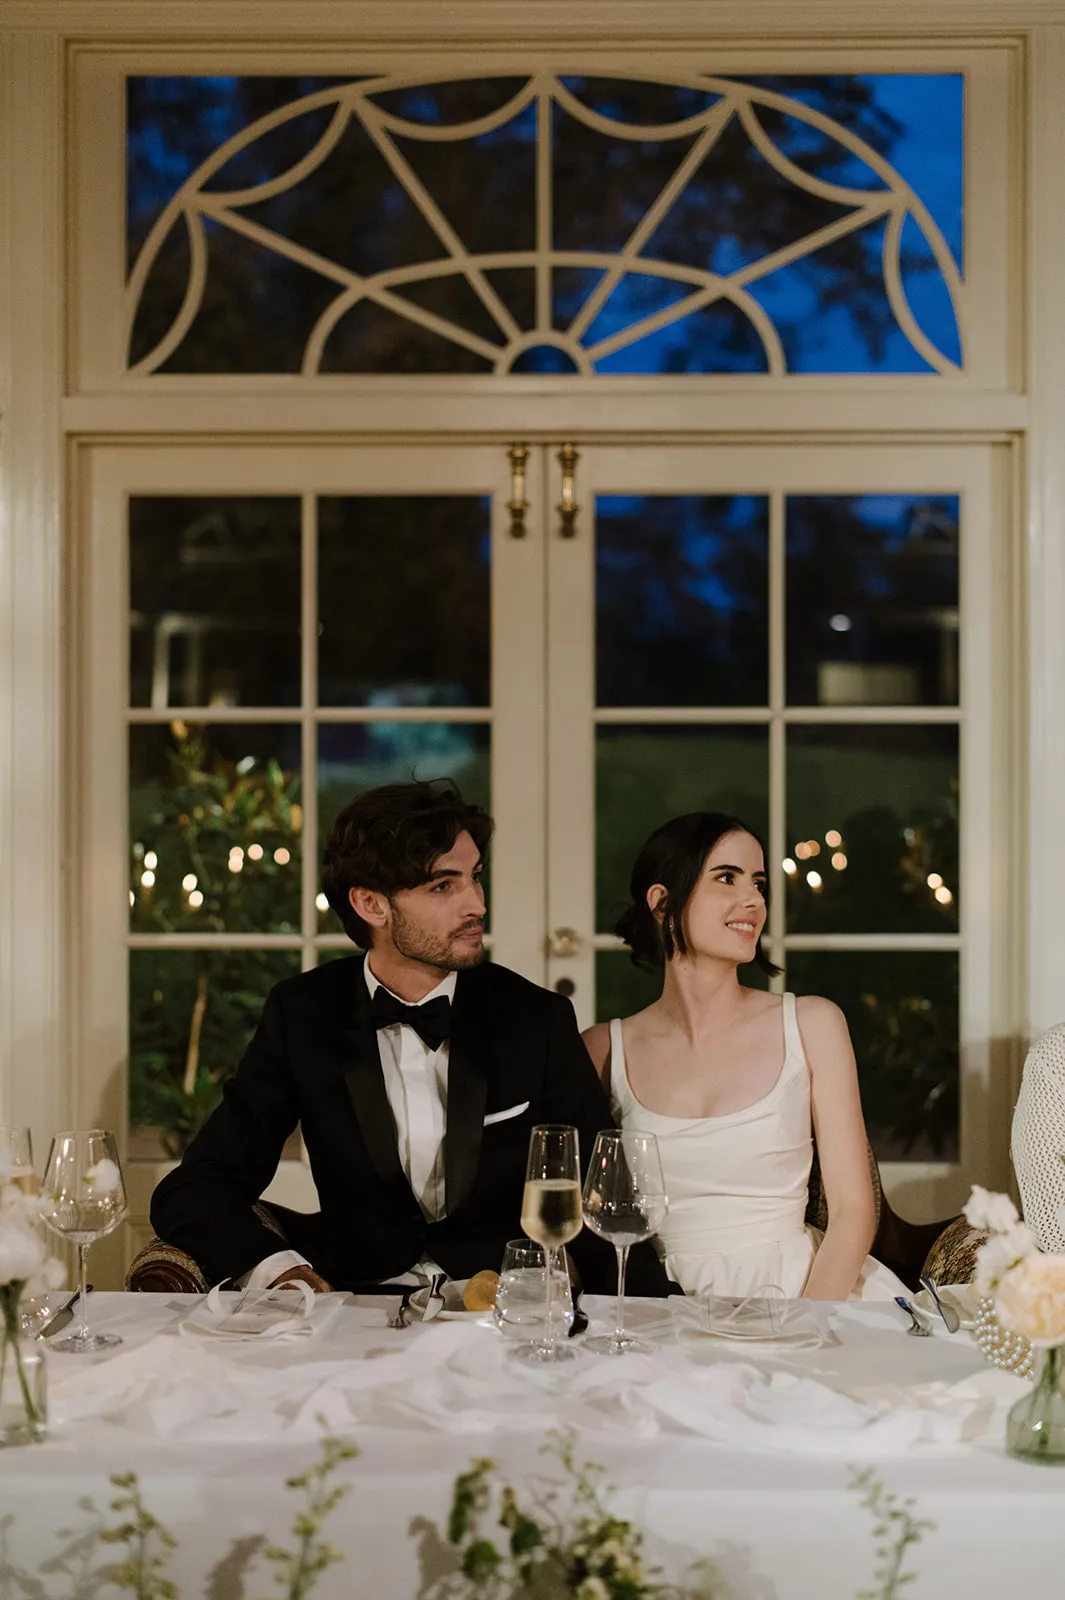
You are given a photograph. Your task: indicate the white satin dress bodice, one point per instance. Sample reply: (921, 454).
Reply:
(738, 1183)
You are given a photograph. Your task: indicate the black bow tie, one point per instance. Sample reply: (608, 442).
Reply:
(431, 1021)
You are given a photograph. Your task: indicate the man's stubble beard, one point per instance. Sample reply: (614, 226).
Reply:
(413, 943)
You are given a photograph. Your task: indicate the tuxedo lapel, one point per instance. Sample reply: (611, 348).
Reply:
(467, 1093)
(366, 1088)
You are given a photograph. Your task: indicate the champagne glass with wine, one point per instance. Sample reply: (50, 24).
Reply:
(17, 1145)
(625, 1202)
(551, 1214)
(84, 1197)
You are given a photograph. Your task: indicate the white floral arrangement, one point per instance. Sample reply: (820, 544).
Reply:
(24, 1264)
(24, 1260)
(1026, 1285)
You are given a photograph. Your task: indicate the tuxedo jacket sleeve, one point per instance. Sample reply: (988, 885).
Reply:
(206, 1205)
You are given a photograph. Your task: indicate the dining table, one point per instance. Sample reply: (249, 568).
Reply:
(741, 1460)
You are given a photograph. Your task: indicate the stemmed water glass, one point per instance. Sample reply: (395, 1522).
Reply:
(625, 1202)
(551, 1214)
(84, 1197)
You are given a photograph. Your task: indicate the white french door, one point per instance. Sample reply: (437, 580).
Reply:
(269, 630)
(804, 634)
(623, 633)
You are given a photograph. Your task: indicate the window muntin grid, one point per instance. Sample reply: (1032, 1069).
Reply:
(889, 812)
(476, 248)
(229, 802)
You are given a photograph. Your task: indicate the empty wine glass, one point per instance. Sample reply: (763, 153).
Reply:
(624, 1202)
(18, 1145)
(551, 1214)
(83, 1198)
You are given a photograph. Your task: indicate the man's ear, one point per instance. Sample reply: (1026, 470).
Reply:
(371, 905)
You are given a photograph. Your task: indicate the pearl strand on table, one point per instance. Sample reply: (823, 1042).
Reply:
(1010, 1351)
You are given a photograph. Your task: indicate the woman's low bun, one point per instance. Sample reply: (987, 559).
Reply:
(640, 931)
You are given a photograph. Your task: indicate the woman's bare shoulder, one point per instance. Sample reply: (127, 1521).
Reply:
(814, 1011)
(825, 1033)
(597, 1043)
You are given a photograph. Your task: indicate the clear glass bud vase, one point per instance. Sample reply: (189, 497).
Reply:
(1035, 1428)
(23, 1387)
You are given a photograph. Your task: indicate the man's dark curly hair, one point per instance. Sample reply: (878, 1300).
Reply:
(390, 838)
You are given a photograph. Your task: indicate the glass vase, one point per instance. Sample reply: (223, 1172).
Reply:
(1035, 1428)
(23, 1388)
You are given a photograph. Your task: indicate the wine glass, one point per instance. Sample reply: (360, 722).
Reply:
(624, 1202)
(18, 1144)
(84, 1198)
(551, 1214)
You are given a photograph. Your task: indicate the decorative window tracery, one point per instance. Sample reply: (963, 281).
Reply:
(539, 224)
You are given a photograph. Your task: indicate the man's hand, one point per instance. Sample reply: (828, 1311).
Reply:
(302, 1275)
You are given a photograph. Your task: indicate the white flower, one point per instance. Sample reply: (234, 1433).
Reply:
(1000, 1255)
(23, 1257)
(593, 1589)
(1031, 1299)
(613, 1550)
(104, 1177)
(995, 1212)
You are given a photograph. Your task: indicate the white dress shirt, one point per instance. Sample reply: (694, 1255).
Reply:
(416, 1085)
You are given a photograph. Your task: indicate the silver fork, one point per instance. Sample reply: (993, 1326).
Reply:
(400, 1318)
(917, 1329)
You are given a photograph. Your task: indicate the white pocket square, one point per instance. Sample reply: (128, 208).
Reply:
(502, 1116)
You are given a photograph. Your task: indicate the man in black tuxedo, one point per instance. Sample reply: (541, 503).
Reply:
(415, 1074)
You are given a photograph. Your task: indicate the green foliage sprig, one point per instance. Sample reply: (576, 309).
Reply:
(896, 1527)
(148, 1544)
(564, 1541)
(297, 1571)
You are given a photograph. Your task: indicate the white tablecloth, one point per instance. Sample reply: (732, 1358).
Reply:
(213, 1430)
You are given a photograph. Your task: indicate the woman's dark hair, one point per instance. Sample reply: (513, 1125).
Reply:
(674, 856)
(389, 839)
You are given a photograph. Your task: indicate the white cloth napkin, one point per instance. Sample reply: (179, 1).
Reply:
(258, 1314)
(255, 1314)
(800, 1324)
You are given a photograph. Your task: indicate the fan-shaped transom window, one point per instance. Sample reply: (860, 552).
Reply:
(545, 224)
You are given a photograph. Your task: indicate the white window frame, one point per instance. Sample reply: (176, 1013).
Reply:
(988, 312)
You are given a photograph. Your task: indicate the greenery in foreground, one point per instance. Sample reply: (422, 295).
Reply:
(561, 1539)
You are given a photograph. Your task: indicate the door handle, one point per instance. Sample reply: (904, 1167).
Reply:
(563, 943)
(567, 506)
(517, 505)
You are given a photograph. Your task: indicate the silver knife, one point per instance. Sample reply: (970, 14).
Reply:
(65, 1314)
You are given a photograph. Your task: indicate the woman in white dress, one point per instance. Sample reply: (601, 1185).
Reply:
(734, 1082)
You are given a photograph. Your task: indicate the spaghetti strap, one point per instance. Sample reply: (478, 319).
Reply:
(792, 1037)
(618, 1082)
